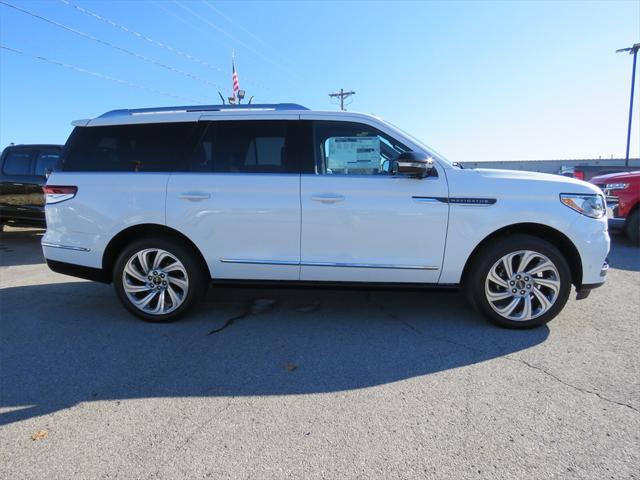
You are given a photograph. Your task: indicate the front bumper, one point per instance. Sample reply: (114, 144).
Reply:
(585, 289)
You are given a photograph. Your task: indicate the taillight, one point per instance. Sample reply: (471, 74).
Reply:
(579, 174)
(57, 193)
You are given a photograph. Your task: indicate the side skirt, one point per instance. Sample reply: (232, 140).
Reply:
(98, 275)
(306, 284)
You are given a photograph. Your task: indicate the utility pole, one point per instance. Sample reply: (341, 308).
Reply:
(632, 51)
(342, 95)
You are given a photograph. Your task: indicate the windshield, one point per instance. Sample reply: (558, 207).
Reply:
(417, 141)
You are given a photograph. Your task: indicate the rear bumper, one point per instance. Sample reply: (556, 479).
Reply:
(88, 273)
(585, 290)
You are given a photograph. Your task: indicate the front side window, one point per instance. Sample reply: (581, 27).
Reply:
(18, 162)
(259, 146)
(346, 148)
(151, 147)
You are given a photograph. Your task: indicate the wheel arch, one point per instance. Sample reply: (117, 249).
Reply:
(135, 232)
(544, 232)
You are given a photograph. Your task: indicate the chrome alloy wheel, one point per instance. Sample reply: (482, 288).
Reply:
(522, 285)
(155, 281)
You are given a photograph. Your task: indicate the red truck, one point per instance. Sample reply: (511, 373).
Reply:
(623, 196)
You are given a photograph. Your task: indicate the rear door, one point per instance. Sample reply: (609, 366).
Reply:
(360, 223)
(121, 173)
(239, 198)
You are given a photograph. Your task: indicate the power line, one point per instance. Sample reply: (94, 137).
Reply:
(108, 44)
(237, 24)
(227, 34)
(211, 24)
(96, 74)
(161, 5)
(141, 35)
(280, 64)
(201, 28)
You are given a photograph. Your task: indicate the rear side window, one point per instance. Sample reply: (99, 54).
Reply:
(47, 162)
(18, 162)
(152, 147)
(261, 146)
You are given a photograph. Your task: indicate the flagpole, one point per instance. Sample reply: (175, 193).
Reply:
(233, 68)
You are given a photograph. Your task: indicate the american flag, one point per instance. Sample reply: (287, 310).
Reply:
(234, 77)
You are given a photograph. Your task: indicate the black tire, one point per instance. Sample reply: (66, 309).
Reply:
(487, 257)
(632, 227)
(194, 272)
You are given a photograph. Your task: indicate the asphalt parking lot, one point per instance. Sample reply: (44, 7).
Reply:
(298, 383)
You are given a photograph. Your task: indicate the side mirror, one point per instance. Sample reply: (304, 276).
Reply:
(415, 164)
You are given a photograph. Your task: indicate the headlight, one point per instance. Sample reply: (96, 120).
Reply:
(616, 186)
(591, 205)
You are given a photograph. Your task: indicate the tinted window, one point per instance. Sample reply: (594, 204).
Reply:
(153, 147)
(263, 146)
(18, 162)
(353, 149)
(47, 161)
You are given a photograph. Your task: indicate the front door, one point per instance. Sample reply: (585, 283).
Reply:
(361, 223)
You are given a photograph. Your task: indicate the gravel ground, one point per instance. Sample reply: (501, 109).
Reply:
(307, 384)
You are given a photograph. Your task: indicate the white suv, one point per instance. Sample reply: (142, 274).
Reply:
(161, 201)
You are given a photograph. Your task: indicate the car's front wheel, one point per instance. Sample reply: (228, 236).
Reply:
(158, 280)
(519, 281)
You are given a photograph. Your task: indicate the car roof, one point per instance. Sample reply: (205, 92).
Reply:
(193, 113)
(204, 108)
(35, 145)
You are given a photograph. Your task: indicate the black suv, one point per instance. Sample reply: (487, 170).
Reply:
(23, 172)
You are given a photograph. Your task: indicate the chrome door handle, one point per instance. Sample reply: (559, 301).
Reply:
(328, 198)
(194, 196)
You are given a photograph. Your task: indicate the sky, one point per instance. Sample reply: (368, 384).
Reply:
(474, 80)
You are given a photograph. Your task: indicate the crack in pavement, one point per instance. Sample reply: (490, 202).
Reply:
(259, 305)
(229, 322)
(507, 357)
(575, 387)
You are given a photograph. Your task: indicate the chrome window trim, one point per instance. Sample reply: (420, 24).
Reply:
(379, 175)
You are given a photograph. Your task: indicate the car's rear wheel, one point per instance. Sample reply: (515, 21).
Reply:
(158, 280)
(632, 227)
(519, 281)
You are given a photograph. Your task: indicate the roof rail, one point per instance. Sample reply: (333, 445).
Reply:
(202, 108)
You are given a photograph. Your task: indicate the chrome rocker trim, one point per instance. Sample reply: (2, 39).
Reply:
(326, 264)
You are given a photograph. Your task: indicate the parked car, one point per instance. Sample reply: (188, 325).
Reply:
(587, 172)
(23, 173)
(161, 201)
(624, 191)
